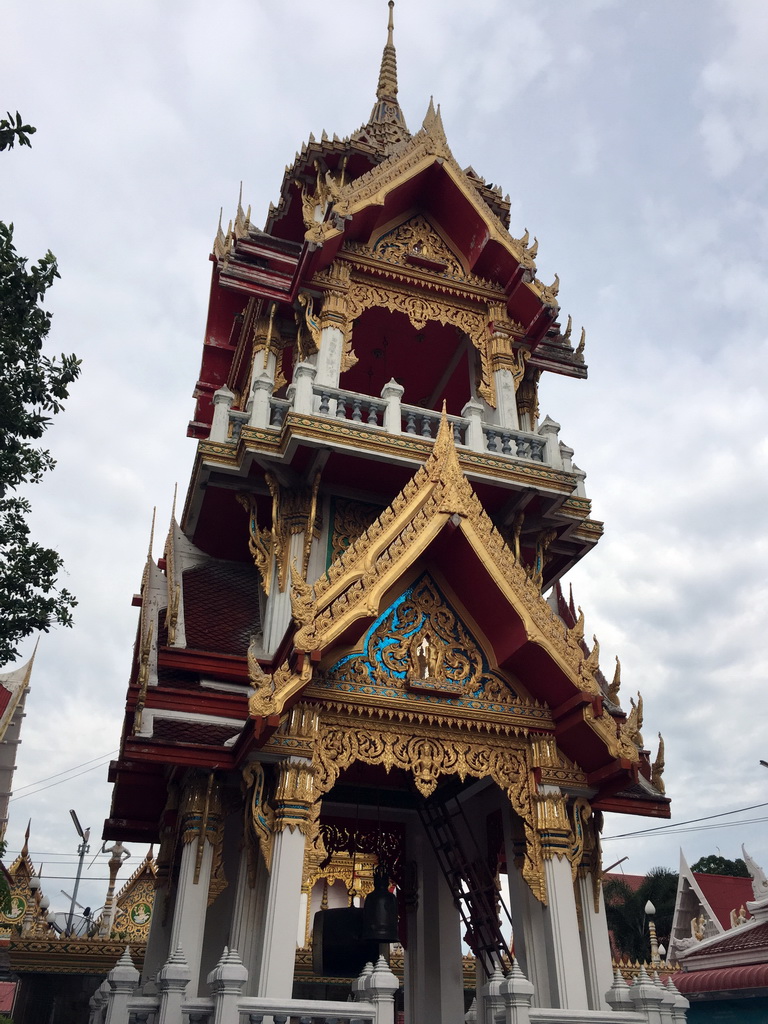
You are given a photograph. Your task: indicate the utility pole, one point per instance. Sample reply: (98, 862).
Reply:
(82, 849)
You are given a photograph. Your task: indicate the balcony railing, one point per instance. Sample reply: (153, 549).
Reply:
(387, 413)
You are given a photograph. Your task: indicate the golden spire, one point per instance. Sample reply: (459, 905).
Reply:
(387, 123)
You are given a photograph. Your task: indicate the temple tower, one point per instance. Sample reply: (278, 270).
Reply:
(345, 651)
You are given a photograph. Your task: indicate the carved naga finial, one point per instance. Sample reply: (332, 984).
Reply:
(262, 700)
(657, 769)
(582, 342)
(613, 689)
(634, 722)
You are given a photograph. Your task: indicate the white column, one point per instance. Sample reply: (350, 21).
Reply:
(562, 937)
(527, 920)
(222, 403)
(248, 910)
(506, 400)
(261, 394)
(473, 411)
(595, 944)
(549, 430)
(282, 904)
(191, 906)
(392, 393)
(300, 390)
(278, 610)
(329, 356)
(434, 981)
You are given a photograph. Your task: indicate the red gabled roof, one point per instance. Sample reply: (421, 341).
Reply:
(724, 893)
(745, 940)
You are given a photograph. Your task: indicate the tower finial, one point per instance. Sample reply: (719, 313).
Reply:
(387, 87)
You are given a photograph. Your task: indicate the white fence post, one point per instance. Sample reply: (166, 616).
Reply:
(263, 387)
(361, 983)
(646, 998)
(617, 996)
(172, 981)
(123, 979)
(475, 439)
(222, 403)
(382, 985)
(97, 1002)
(681, 1003)
(392, 393)
(491, 999)
(517, 993)
(227, 981)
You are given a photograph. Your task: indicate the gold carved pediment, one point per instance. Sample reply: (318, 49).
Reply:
(416, 242)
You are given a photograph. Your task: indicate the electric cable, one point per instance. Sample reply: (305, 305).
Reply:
(692, 821)
(66, 771)
(69, 778)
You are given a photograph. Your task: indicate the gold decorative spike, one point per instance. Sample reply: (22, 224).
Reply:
(568, 329)
(613, 689)
(262, 701)
(657, 769)
(533, 251)
(302, 597)
(580, 347)
(542, 557)
(577, 630)
(634, 723)
(588, 668)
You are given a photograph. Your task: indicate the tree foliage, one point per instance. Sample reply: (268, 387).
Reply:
(714, 864)
(33, 387)
(625, 909)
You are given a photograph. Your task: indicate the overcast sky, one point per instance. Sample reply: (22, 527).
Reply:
(632, 139)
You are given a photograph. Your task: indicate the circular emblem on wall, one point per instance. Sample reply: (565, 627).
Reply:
(141, 913)
(16, 910)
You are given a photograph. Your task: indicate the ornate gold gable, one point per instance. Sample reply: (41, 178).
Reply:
(355, 586)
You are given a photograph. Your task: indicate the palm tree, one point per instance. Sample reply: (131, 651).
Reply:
(625, 909)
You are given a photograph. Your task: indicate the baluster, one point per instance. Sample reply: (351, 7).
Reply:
(325, 403)
(506, 446)
(357, 412)
(279, 1018)
(426, 426)
(457, 438)
(255, 1018)
(277, 416)
(491, 435)
(373, 415)
(537, 451)
(341, 408)
(410, 423)
(522, 448)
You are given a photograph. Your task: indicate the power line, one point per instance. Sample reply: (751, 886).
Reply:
(69, 778)
(693, 821)
(66, 771)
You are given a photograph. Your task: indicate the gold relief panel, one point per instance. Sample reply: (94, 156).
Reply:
(416, 241)
(420, 646)
(349, 520)
(427, 753)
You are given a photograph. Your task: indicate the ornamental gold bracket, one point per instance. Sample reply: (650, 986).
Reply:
(259, 815)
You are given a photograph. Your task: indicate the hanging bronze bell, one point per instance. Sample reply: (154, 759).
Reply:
(380, 910)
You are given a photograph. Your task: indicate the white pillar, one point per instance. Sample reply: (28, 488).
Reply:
(300, 390)
(561, 935)
(278, 610)
(261, 393)
(549, 430)
(248, 910)
(226, 981)
(595, 944)
(172, 982)
(506, 399)
(392, 393)
(473, 411)
(282, 905)
(434, 977)
(527, 918)
(122, 979)
(222, 403)
(329, 356)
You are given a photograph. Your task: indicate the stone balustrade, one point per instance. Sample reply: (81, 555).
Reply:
(387, 413)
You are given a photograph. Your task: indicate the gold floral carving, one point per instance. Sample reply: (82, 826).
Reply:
(552, 825)
(350, 520)
(528, 397)
(309, 330)
(335, 312)
(586, 857)
(260, 541)
(427, 754)
(201, 817)
(417, 238)
(143, 673)
(294, 511)
(588, 668)
(420, 308)
(259, 815)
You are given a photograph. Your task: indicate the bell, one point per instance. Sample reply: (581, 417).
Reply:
(379, 922)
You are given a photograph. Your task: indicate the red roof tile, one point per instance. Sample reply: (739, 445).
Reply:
(722, 979)
(179, 731)
(724, 893)
(737, 940)
(221, 606)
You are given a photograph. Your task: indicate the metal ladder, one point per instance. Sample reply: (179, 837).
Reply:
(469, 878)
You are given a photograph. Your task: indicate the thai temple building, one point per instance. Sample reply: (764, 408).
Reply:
(363, 726)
